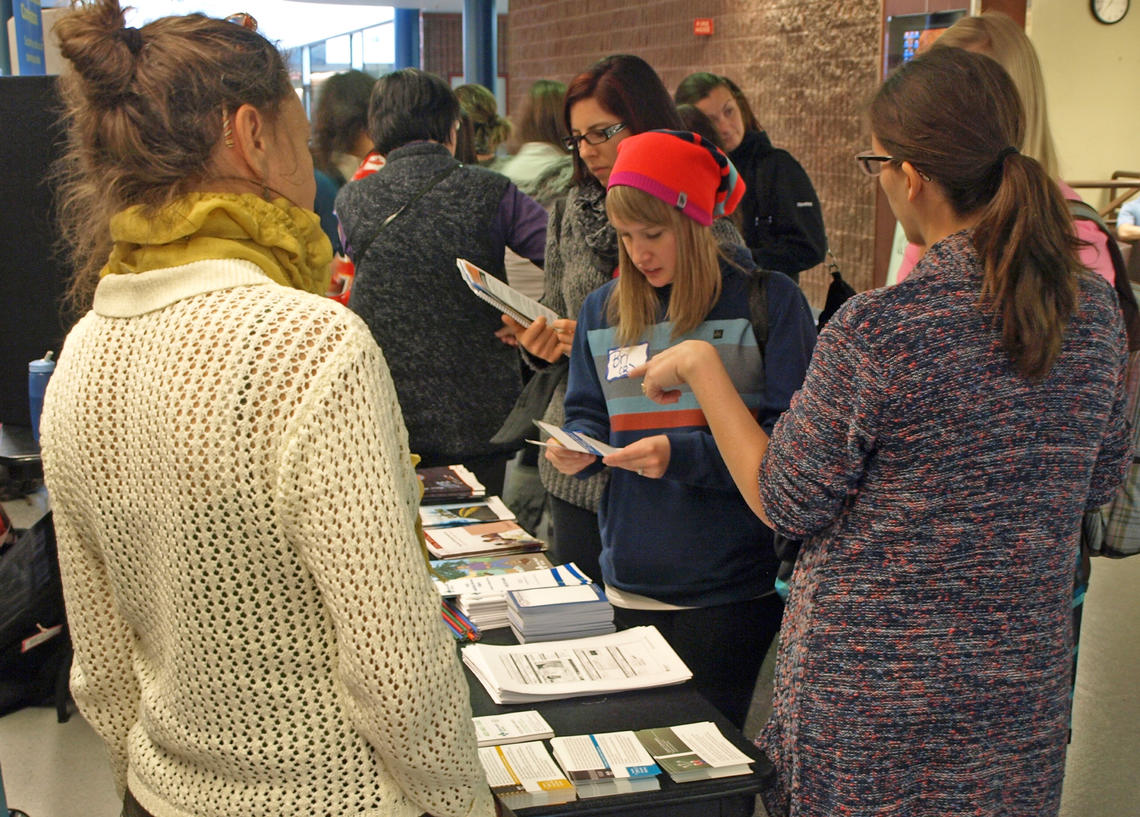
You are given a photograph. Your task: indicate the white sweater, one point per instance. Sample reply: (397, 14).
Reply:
(255, 630)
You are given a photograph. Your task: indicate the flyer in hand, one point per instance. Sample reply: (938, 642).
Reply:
(502, 296)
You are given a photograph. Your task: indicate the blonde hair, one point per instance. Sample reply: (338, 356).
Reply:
(996, 35)
(634, 305)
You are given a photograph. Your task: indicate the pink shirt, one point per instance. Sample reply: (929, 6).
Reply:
(1093, 254)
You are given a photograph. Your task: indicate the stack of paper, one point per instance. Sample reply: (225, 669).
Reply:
(483, 538)
(511, 727)
(637, 658)
(524, 775)
(483, 599)
(449, 483)
(604, 764)
(453, 514)
(694, 751)
(555, 613)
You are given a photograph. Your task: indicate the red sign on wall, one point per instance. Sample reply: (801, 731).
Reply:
(703, 26)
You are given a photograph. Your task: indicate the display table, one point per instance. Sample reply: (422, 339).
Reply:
(643, 709)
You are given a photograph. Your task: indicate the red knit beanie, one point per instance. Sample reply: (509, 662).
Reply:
(682, 169)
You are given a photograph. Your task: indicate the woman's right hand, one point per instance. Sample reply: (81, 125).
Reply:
(547, 343)
(566, 461)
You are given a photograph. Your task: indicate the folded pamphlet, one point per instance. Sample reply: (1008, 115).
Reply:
(575, 440)
(502, 296)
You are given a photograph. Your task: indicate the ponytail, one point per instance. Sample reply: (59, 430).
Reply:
(1027, 245)
(957, 117)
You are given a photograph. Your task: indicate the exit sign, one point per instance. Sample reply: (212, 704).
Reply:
(703, 26)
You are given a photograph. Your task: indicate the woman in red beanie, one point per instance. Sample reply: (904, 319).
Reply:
(680, 549)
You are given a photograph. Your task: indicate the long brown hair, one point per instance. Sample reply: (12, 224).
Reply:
(957, 118)
(629, 88)
(634, 305)
(145, 110)
(696, 87)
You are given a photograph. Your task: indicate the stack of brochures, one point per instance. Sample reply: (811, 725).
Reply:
(483, 599)
(637, 658)
(694, 751)
(556, 613)
(471, 512)
(449, 483)
(480, 539)
(605, 764)
(523, 775)
(444, 570)
(511, 727)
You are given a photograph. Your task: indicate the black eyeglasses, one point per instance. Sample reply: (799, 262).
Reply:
(871, 163)
(593, 137)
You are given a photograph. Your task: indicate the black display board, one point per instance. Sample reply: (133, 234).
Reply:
(32, 277)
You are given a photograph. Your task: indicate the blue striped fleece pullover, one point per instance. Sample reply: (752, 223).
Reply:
(688, 538)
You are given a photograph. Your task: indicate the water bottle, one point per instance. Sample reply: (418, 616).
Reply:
(39, 372)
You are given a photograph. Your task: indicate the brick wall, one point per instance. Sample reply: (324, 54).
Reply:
(807, 66)
(442, 51)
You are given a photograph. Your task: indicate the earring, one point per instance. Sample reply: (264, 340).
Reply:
(265, 192)
(227, 130)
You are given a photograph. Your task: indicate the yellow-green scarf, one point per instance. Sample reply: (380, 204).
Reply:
(284, 240)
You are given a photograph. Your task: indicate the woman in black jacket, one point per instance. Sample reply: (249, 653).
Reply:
(781, 219)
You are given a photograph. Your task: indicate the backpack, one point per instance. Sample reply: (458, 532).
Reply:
(1113, 530)
(787, 550)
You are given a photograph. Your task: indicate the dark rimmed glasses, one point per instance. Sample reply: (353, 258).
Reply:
(871, 163)
(593, 137)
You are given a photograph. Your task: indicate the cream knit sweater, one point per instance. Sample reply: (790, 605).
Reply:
(255, 631)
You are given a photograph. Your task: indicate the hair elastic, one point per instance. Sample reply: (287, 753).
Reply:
(1005, 151)
(132, 38)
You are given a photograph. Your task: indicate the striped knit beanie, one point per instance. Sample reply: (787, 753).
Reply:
(682, 169)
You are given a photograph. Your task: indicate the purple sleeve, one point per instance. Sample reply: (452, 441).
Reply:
(520, 224)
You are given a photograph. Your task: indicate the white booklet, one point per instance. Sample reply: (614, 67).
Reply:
(606, 763)
(574, 440)
(497, 585)
(523, 775)
(694, 751)
(511, 727)
(471, 512)
(638, 658)
(502, 296)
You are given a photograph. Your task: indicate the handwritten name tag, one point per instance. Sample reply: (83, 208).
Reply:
(625, 359)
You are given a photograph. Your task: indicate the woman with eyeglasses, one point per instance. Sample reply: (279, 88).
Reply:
(254, 626)
(949, 435)
(780, 216)
(996, 35)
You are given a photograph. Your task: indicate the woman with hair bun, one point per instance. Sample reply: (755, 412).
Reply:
(488, 128)
(949, 435)
(255, 631)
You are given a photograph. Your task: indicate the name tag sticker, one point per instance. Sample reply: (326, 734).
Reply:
(625, 359)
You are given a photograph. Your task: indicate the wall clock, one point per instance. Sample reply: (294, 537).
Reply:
(1109, 11)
